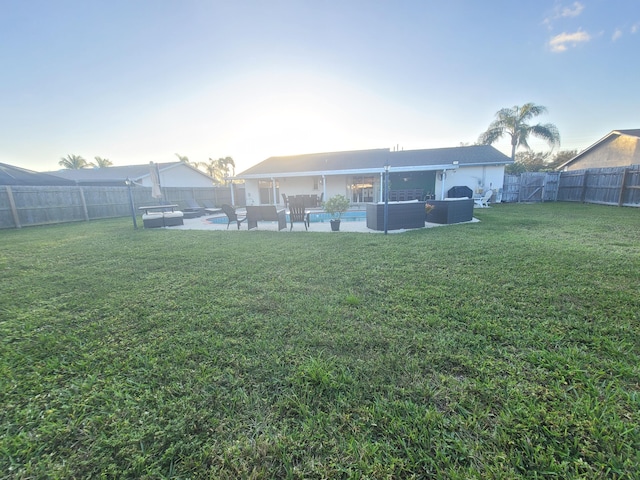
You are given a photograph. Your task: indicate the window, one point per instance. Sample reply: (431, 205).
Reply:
(362, 189)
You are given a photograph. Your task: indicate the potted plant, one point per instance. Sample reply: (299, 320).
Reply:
(336, 206)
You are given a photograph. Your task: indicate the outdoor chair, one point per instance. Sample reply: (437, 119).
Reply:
(297, 213)
(193, 209)
(484, 200)
(232, 216)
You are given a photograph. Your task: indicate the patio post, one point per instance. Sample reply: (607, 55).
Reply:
(133, 210)
(273, 186)
(444, 177)
(386, 197)
(324, 187)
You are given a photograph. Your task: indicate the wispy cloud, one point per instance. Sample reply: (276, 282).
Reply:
(635, 28)
(562, 42)
(616, 35)
(573, 11)
(560, 11)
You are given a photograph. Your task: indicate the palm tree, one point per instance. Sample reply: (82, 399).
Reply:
(211, 168)
(73, 162)
(182, 158)
(230, 163)
(221, 168)
(102, 162)
(513, 121)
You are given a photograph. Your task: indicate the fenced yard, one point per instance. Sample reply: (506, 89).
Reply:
(507, 348)
(605, 186)
(24, 206)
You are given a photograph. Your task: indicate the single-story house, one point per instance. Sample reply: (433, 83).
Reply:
(619, 148)
(172, 174)
(359, 175)
(10, 175)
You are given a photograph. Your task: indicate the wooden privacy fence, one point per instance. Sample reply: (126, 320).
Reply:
(607, 186)
(22, 206)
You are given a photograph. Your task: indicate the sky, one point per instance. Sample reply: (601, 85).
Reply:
(136, 81)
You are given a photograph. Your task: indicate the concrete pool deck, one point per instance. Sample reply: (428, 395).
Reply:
(357, 226)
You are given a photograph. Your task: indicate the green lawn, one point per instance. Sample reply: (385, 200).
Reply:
(500, 349)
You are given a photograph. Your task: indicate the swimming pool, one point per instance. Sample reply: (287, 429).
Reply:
(314, 217)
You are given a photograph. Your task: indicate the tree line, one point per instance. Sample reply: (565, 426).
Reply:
(76, 162)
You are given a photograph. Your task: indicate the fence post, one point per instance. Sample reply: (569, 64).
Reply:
(622, 184)
(12, 205)
(583, 194)
(84, 205)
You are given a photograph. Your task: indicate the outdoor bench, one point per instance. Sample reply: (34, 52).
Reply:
(266, 213)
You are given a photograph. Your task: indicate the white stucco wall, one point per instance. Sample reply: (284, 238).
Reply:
(251, 192)
(181, 176)
(478, 179)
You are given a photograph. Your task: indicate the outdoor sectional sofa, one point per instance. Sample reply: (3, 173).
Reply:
(401, 215)
(451, 210)
(162, 219)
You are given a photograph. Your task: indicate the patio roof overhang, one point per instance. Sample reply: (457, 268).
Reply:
(353, 171)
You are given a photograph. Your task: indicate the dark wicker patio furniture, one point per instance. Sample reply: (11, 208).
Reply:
(232, 216)
(267, 213)
(401, 215)
(453, 210)
(297, 213)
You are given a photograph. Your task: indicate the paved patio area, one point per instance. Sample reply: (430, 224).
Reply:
(359, 226)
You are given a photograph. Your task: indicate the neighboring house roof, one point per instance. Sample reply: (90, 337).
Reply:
(370, 161)
(116, 175)
(615, 133)
(10, 175)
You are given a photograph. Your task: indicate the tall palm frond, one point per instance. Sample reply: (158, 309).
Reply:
(73, 162)
(102, 162)
(221, 168)
(514, 122)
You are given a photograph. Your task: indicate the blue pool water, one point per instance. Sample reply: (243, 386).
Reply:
(314, 217)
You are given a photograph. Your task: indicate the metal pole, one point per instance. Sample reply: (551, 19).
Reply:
(386, 198)
(133, 209)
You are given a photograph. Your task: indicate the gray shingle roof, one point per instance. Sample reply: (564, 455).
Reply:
(108, 175)
(10, 175)
(633, 132)
(377, 159)
(316, 162)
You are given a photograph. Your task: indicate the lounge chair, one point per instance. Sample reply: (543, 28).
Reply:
(297, 213)
(232, 216)
(193, 209)
(484, 200)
